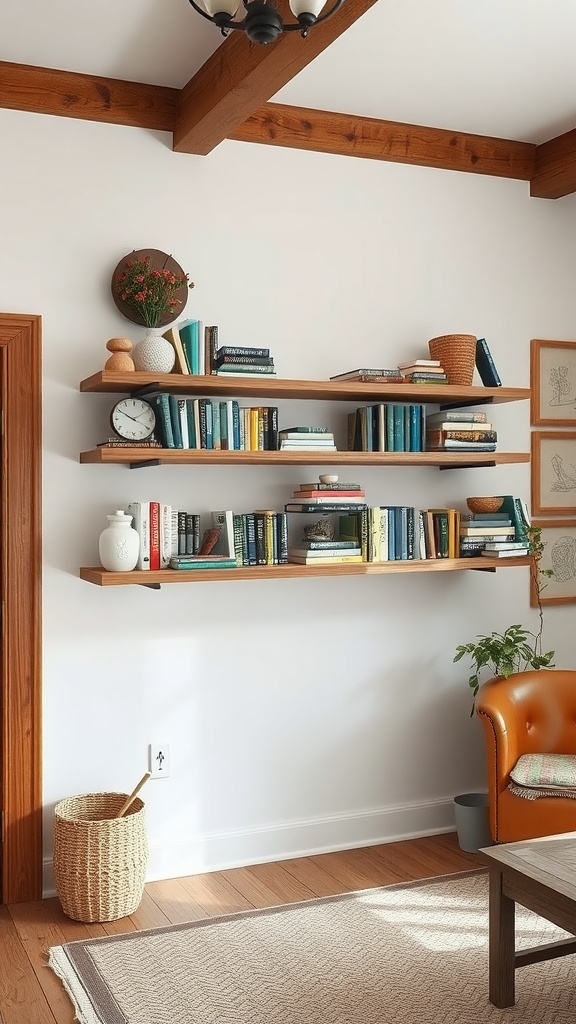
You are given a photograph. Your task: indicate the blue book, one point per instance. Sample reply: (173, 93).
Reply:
(415, 428)
(162, 405)
(485, 365)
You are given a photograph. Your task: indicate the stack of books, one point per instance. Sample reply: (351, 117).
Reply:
(460, 430)
(423, 371)
(306, 439)
(490, 531)
(239, 361)
(392, 376)
(327, 497)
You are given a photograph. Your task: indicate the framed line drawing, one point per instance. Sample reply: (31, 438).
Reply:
(559, 541)
(553, 473)
(552, 383)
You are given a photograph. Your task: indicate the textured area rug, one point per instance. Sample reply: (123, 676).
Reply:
(406, 954)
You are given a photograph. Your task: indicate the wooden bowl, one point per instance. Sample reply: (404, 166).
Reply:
(484, 504)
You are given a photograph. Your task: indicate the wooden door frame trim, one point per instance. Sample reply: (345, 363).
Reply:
(21, 593)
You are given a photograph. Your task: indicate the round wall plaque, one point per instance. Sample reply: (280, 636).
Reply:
(158, 261)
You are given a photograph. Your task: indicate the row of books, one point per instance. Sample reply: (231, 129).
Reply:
(197, 352)
(195, 346)
(196, 423)
(387, 427)
(168, 535)
(392, 533)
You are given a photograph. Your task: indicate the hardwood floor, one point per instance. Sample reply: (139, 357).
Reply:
(32, 994)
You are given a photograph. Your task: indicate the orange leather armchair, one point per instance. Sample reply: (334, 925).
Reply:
(529, 713)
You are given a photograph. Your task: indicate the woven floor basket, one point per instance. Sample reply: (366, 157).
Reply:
(99, 860)
(457, 354)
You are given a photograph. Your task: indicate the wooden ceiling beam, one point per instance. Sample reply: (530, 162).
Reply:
(240, 76)
(65, 93)
(555, 172)
(348, 135)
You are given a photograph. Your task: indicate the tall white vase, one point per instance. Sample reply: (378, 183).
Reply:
(119, 544)
(154, 354)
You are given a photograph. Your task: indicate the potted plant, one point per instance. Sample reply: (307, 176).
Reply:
(499, 655)
(516, 649)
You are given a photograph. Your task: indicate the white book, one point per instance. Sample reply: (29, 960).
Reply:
(183, 418)
(166, 535)
(174, 532)
(328, 499)
(140, 511)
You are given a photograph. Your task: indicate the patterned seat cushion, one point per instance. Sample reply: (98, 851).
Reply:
(536, 775)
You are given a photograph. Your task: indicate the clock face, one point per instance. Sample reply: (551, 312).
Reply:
(133, 419)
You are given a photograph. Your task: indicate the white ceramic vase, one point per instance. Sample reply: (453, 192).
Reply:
(119, 544)
(154, 354)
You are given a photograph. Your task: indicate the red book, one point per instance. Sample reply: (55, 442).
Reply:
(330, 495)
(154, 535)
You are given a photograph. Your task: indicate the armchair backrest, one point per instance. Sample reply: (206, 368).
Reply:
(528, 713)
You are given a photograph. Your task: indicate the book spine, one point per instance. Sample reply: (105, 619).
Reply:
(213, 334)
(216, 427)
(165, 535)
(282, 536)
(174, 533)
(236, 433)
(189, 534)
(181, 533)
(175, 420)
(140, 512)
(231, 350)
(486, 366)
(239, 532)
(166, 420)
(245, 360)
(251, 538)
(192, 443)
(154, 535)
(260, 527)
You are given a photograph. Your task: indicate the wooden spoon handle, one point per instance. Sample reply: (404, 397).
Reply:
(133, 794)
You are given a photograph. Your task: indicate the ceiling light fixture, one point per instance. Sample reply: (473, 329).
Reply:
(263, 23)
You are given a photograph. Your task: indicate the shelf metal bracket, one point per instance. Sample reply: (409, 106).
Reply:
(489, 568)
(473, 401)
(149, 462)
(151, 586)
(467, 465)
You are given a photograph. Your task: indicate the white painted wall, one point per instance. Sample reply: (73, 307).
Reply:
(302, 715)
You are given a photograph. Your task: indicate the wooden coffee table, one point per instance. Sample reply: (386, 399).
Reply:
(539, 874)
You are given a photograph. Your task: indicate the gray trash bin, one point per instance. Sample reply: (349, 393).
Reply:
(472, 824)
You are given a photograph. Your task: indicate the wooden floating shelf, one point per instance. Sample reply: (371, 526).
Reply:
(151, 578)
(276, 387)
(204, 457)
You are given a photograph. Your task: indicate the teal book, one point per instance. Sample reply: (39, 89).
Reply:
(188, 330)
(398, 428)
(162, 408)
(192, 440)
(175, 421)
(513, 507)
(203, 563)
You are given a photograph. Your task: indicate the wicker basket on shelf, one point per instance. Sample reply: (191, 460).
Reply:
(457, 354)
(99, 859)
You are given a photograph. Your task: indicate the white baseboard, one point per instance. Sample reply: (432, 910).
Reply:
(284, 840)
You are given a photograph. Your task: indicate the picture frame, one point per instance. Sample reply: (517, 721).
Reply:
(559, 543)
(552, 383)
(553, 472)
